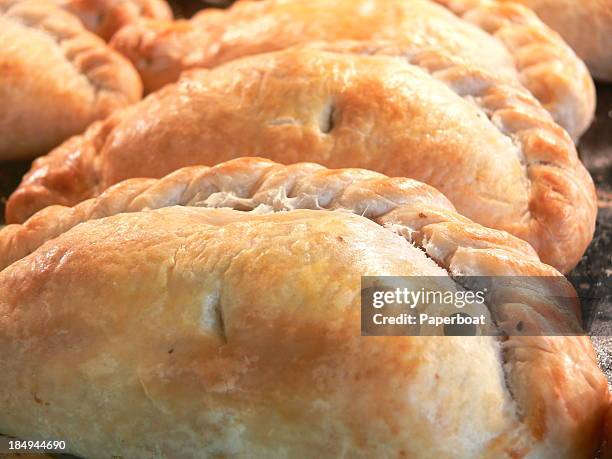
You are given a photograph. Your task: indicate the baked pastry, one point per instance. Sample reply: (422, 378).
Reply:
(585, 24)
(105, 17)
(164, 325)
(55, 79)
(482, 141)
(508, 39)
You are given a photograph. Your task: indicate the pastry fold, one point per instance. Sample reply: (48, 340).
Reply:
(55, 79)
(504, 38)
(483, 141)
(215, 312)
(585, 24)
(105, 17)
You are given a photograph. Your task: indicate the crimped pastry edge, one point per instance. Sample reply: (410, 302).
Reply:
(546, 65)
(235, 184)
(559, 222)
(124, 85)
(552, 167)
(413, 210)
(111, 15)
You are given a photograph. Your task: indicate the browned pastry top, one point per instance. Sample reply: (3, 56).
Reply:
(483, 141)
(185, 329)
(505, 38)
(55, 78)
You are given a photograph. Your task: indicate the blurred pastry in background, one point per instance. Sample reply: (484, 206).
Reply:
(163, 323)
(482, 140)
(507, 39)
(55, 78)
(585, 24)
(105, 17)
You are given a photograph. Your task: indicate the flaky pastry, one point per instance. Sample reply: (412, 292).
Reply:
(484, 142)
(508, 39)
(105, 17)
(166, 326)
(55, 78)
(585, 24)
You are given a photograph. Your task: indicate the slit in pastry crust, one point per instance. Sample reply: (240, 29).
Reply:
(508, 39)
(143, 258)
(482, 140)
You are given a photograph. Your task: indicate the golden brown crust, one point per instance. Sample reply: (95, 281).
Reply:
(144, 258)
(105, 17)
(552, 167)
(585, 24)
(512, 167)
(161, 50)
(65, 178)
(56, 78)
(248, 183)
(545, 64)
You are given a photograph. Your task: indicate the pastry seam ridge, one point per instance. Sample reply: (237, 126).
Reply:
(510, 16)
(301, 184)
(154, 9)
(542, 63)
(517, 115)
(90, 47)
(533, 124)
(538, 141)
(183, 187)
